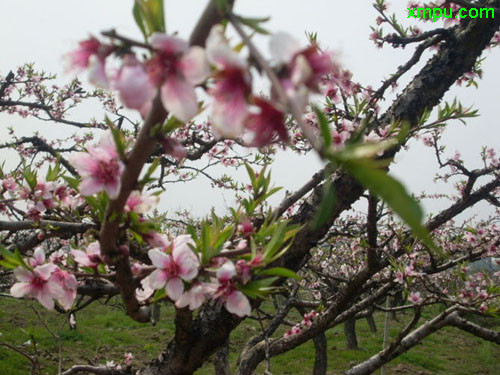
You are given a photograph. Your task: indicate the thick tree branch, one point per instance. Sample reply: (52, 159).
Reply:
(409, 341)
(475, 329)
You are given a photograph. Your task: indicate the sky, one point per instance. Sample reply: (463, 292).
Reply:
(43, 31)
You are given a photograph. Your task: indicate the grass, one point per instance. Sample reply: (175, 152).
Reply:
(105, 333)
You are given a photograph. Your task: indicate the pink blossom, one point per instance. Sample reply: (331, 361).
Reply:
(139, 203)
(90, 258)
(305, 68)
(242, 244)
(9, 184)
(81, 56)
(232, 86)
(195, 296)
(58, 257)
(100, 168)
(145, 291)
(174, 148)
(128, 358)
(156, 239)
(38, 258)
(235, 301)
(37, 284)
(245, 227)
(68, 283)
(177, 68)
(268, 122)
(133, 85)
(399, 277)
(294, 331)
(181, 264)
(91, 54)
(339, 138)
(415, 297)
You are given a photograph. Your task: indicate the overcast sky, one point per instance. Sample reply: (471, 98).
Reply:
(43, 31)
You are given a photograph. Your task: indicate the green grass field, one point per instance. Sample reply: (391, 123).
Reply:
(105, 333)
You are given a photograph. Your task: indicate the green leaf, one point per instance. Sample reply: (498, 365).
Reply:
(323, 125)
(30, 177)
(254, 23)
(138, 17)
(117, 137)
(171, 124)
(393, 193)
(326, 207)
(251, 174)
(149, 16)
(10, 260)
(280, 271)
(258, 288)
(72, 182)
(53, 173)
(6, 264)
(152, 168)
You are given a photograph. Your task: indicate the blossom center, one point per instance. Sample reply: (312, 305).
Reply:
(107, 171)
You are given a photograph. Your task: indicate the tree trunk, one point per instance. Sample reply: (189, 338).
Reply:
(321, 359)
(350, 333)
(221, 360)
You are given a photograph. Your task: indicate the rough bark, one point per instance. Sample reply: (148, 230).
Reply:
(221, 360)
(475, 329)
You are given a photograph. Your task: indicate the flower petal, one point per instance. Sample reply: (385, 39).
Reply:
(159, 258)
(23, 274)
(157, 279)
(39, 256)
(67, 298)
(179, 98)
(19, 290)
(219, 52)
(45, 299)
(83, 162)
(81, 258)
(168, 43)
(194, 65)
(44, 271)
(97, 72)
(89, 186)
(228, 117)
(237, 303)
(226, 271)
(134, 86)
(113, 188)
(175, 288)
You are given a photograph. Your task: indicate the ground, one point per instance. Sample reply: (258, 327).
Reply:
(105, 333)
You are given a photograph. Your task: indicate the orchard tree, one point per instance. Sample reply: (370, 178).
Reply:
(80, 217)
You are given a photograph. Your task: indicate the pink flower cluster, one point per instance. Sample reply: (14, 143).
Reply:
(45, 281)
(176, 69)
(40, 197)
(100, 168)
(305, 323)
(177, 269)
